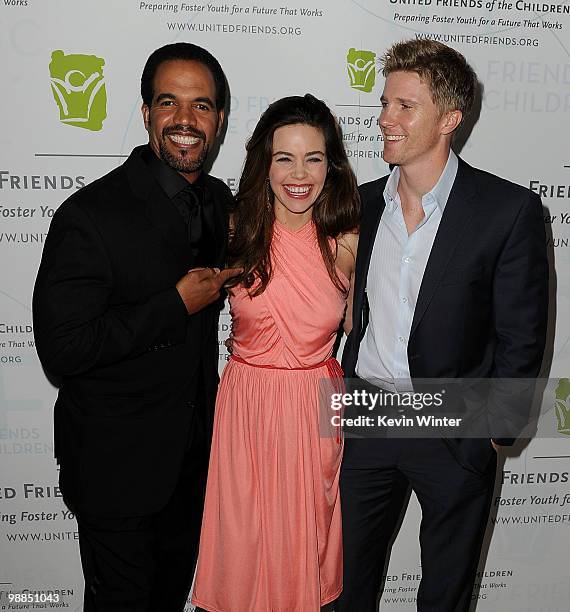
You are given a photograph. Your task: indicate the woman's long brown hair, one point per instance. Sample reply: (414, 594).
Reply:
(335, 212)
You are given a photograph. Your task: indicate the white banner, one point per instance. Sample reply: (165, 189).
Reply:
(70, 112)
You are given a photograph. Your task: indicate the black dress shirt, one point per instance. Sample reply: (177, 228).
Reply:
(192, 202)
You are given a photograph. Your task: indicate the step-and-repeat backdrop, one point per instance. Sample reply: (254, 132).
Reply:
(70, 112)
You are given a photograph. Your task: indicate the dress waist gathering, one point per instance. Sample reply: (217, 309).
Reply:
(332, 365)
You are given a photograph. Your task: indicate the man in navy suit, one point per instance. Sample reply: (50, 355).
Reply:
(450, 282)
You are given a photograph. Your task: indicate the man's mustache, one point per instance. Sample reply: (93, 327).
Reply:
(188, 130)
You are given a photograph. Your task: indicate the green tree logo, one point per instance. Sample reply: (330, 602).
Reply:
(361, 67)
(562, 406)
(78, 87)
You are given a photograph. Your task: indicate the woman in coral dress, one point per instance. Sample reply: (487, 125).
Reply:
(271, 532)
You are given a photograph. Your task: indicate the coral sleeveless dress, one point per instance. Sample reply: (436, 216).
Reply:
(271, 532)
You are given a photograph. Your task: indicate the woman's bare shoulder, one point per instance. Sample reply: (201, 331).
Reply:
(349, 241)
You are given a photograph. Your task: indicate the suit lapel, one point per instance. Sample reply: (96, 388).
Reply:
(458, 211)
(367, 238)
(373, 205)
(219, 223)
(158, 208)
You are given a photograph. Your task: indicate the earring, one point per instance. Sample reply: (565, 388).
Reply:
(268, 194)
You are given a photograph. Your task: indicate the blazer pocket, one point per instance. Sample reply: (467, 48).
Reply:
(462, 276)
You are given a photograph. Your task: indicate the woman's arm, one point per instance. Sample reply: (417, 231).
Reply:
(346, 261)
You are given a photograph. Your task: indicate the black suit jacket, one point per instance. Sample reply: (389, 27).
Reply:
(482, 307)
(138, 375)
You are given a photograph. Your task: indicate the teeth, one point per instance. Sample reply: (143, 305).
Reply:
(184, 140)
(386, 137)
(298, 190)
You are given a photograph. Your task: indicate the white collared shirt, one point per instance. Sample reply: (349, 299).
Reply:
(396, 271)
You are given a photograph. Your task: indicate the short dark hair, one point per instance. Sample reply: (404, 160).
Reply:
(451, 80)
(183, 51)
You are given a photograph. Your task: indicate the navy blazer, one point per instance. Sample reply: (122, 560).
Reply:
(482, 307)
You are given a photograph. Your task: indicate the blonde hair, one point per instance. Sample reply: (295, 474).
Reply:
(451, 80)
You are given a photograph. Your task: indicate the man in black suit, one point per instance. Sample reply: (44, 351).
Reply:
(451, 282)
(126, 308)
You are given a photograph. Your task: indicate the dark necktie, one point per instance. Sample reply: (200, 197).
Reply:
(196, 213)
